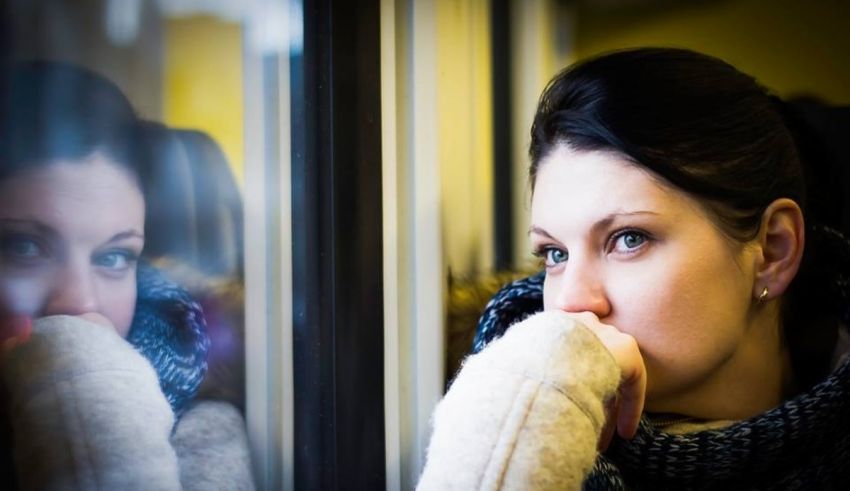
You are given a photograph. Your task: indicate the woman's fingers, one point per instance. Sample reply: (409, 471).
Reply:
(624, 413)
(611, 409)
(97, 318)
(632, 390)
(14, 329)
(632, 396)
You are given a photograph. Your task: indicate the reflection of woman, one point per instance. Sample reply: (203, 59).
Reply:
(680, 311)
(102, 355)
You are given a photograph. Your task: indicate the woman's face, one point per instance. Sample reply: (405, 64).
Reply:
(645, 258)
(70, 236)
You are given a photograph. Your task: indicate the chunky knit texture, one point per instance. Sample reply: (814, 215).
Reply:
(169, 330)
(802, 444)
(501, 425)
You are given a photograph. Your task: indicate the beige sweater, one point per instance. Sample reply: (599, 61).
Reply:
(525, 413)
(87, 413)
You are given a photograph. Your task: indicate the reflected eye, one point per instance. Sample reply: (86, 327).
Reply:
(115, 261)
(21, 248)
(629, 241)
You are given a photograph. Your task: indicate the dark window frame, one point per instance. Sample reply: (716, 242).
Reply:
(337, 249)
(503, 180)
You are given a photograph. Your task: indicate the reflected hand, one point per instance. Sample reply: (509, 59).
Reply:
(624, 410)
(97, 318)
(14, 329)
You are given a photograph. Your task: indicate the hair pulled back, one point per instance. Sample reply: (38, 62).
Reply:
(694, 120)
(714, 133)
(54, 111)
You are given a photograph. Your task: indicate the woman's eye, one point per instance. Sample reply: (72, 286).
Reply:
(554, 256)
(23, 249)
(115, 260)
(629, 241)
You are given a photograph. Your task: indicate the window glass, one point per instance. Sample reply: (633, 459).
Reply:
(122, 208)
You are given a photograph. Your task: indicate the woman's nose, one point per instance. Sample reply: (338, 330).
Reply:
(580, 289)
(72, 292)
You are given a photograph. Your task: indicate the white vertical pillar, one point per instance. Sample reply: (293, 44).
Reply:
(268, 266)
(390, 192)
(414, 281)
(536, 56)
(428, 275)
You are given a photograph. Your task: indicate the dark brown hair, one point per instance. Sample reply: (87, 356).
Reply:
(710, 131)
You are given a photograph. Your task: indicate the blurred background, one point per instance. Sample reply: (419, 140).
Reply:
(376, 153)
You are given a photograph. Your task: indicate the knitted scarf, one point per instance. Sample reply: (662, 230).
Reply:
(802, 444)
(169, 330)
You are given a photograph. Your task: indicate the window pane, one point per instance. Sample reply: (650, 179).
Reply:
(122, 277)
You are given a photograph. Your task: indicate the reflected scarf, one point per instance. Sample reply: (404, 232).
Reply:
(169, 330)
(802, 444)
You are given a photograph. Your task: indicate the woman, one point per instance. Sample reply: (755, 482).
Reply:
(102, 356)
(688, 305)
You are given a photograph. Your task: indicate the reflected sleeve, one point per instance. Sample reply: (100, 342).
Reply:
(212, 448)
(87, 411)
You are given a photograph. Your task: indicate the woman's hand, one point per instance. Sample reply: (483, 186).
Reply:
(624, 410)
(97, 318)
(16, 329)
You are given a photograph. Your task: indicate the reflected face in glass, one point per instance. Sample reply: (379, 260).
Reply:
(647, 259)
(70, 237)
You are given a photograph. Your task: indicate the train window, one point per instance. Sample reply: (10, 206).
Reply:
(122, 260)
(191, 244)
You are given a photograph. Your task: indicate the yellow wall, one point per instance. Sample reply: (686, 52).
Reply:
(203, 82)
(465, 134)
(792, 47)
(536, 28)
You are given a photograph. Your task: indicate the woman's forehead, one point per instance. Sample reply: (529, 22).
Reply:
(578, 185)
(598, 181)
(92, 199)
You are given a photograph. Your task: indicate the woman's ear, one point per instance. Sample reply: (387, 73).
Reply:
(782, 238)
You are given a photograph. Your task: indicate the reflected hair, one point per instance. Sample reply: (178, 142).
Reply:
(55, 111)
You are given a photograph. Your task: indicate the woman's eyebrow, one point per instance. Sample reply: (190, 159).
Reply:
(607, 220)
(602, 223)
(34, 225)
(534, 229)
(127, 234)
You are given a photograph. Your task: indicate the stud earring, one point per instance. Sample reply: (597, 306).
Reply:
(763, 295)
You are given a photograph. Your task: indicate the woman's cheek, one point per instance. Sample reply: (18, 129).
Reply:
(644, 306)
(119, 303)
(22, 295)
(549, 289)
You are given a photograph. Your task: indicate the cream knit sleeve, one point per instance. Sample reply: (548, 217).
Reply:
(525, 413)
(212, 448)
(87, 411)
